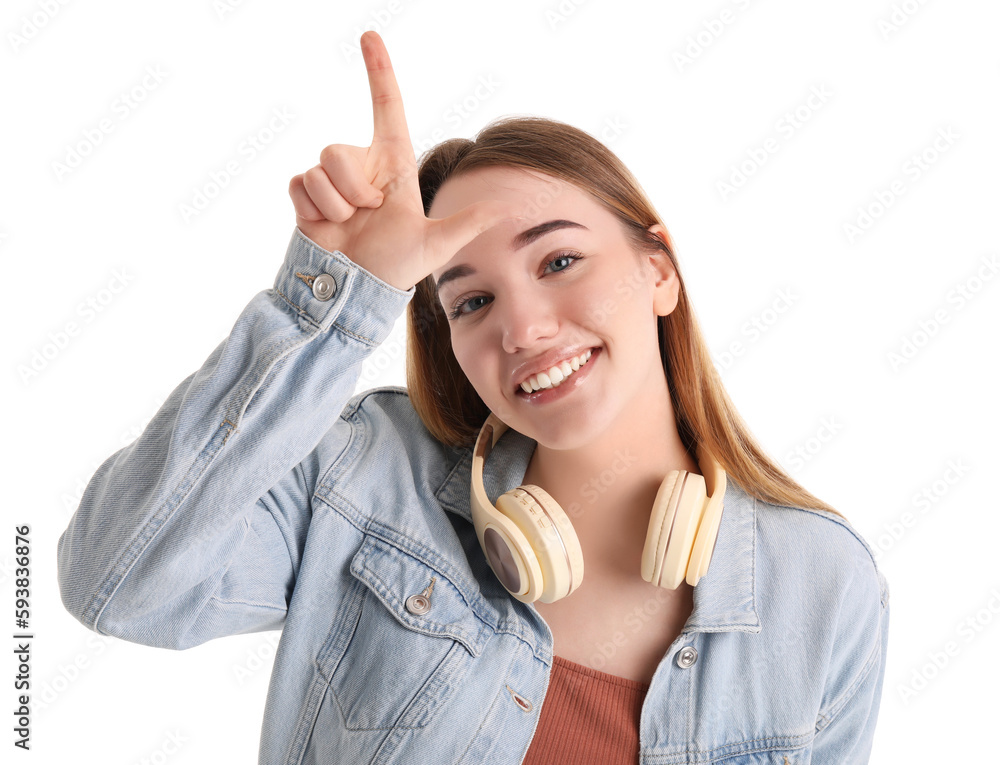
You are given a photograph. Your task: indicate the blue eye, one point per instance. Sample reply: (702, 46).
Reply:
(573, 255)
(563, 256)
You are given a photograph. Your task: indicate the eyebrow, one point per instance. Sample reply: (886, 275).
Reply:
(519, 241)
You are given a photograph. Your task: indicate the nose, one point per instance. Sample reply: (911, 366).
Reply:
(526, 319)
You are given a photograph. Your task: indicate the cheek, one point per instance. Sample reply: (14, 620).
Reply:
(598, 307)
(474, 363)
(618, 309)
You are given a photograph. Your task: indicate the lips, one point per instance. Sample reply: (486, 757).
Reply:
(545, 363)
(557, 374)
(566, 387)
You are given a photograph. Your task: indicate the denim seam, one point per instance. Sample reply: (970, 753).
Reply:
(354, 445)
(883, 592)
(339, 637)
(871, 662)
(769, 743)
(322, 676)
(370, 343)
(350, 411)
(420, 706)
(689, 675)
(298, 309)
(732, 627)
(488, 717)
(441, 686)
(306, 721)
(753, 563)
(237, 602)
(391, 726)
(251, 387)
(321, 483)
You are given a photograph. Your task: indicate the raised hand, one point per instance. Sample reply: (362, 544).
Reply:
(366, 202)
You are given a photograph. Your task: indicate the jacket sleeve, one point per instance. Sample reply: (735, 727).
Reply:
(195, 530)
(846, 729)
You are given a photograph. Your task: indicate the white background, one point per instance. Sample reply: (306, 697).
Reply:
(874, 434)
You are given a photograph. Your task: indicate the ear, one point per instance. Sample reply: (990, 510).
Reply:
(667, 285)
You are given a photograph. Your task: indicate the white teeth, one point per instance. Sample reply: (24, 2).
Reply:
(554, 376)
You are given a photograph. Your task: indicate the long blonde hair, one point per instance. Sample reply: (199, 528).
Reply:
(444, 398)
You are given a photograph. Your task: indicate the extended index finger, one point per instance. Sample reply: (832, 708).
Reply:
(387, 102)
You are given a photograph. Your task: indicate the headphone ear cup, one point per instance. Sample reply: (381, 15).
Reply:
(661, 518)
(690, 506)
(708, 529)
(508, 553)
(551, 537)
(673, 524)
(704, 544)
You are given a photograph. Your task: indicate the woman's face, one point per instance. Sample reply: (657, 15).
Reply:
(520, 302)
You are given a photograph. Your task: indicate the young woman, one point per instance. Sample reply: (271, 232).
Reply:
(723, 614)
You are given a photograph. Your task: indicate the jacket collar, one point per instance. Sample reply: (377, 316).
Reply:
(724, 599)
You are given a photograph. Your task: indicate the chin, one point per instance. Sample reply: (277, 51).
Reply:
(553, 433)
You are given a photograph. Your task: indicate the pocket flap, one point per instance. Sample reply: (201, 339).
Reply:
(393, 574)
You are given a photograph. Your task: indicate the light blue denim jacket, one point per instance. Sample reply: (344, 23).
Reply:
(263, 495)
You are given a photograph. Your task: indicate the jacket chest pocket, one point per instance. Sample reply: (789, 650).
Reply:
(392, 660)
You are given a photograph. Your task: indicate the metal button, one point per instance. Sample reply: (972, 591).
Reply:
(421, 602)
(687, 656)
(324, 286)
(418, 604)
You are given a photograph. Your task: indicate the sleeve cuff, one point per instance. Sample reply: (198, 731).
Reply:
(325, 288)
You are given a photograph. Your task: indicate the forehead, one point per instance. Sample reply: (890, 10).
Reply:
(537, 194)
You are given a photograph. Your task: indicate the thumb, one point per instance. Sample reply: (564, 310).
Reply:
(448, 235)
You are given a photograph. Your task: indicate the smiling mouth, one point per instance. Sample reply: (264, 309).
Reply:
(556, 375)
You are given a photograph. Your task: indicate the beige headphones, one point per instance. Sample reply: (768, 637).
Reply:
(532, 548)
